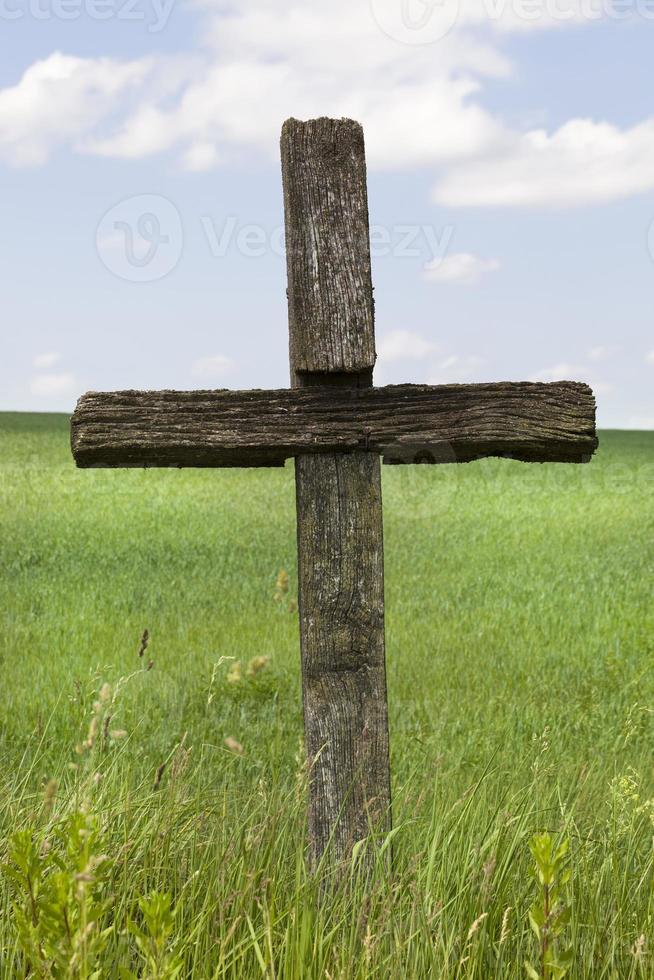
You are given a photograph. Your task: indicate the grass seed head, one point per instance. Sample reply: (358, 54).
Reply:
(475, 925)
(504, 932)
(281, 586)
(256, 664)
(145, 639)
(49, 794)
(159, 775)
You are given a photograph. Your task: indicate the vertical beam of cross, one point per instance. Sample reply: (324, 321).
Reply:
(339, 509)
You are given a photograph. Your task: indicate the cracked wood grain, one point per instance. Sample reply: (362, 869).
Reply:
(337, 426)
(330, 304)
(339, 507)
(552, 422)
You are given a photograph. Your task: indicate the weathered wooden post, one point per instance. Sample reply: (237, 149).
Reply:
(339, 508)
(336, 425)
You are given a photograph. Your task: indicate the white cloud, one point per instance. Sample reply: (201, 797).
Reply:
(419, 104)
(456, 369)
(148, 131)
(604, 352)
(561, 372)
(212, 367)
(59, 100)
(574, 372)
(583, 162)
(47, 385)
(415, 111)
(265, 60)
(200, 157)
(259, 63)
(47, 360)
(460, 267)
(649, 357)
(403, 345)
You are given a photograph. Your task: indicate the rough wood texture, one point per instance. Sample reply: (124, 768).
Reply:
(341, 578)
(339, 509)
(330, 301)
(336, 425)
(405, 423)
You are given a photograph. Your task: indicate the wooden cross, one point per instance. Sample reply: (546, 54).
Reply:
(336, 426)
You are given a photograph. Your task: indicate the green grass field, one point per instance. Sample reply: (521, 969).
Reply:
(520, 638)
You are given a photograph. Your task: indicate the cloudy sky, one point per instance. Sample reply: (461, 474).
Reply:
(510, 149)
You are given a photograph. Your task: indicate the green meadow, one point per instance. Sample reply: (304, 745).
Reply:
(152, 807)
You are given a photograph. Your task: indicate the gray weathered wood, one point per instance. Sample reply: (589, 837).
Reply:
(336, 426)
(330, 301)
(339, 509)
(341, 580)
(405, 423)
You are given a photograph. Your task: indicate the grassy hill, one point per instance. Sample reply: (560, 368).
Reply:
(520, 635)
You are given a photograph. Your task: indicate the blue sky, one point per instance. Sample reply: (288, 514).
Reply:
(511, 179)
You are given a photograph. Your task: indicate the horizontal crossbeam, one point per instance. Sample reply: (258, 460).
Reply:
(404, 423)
